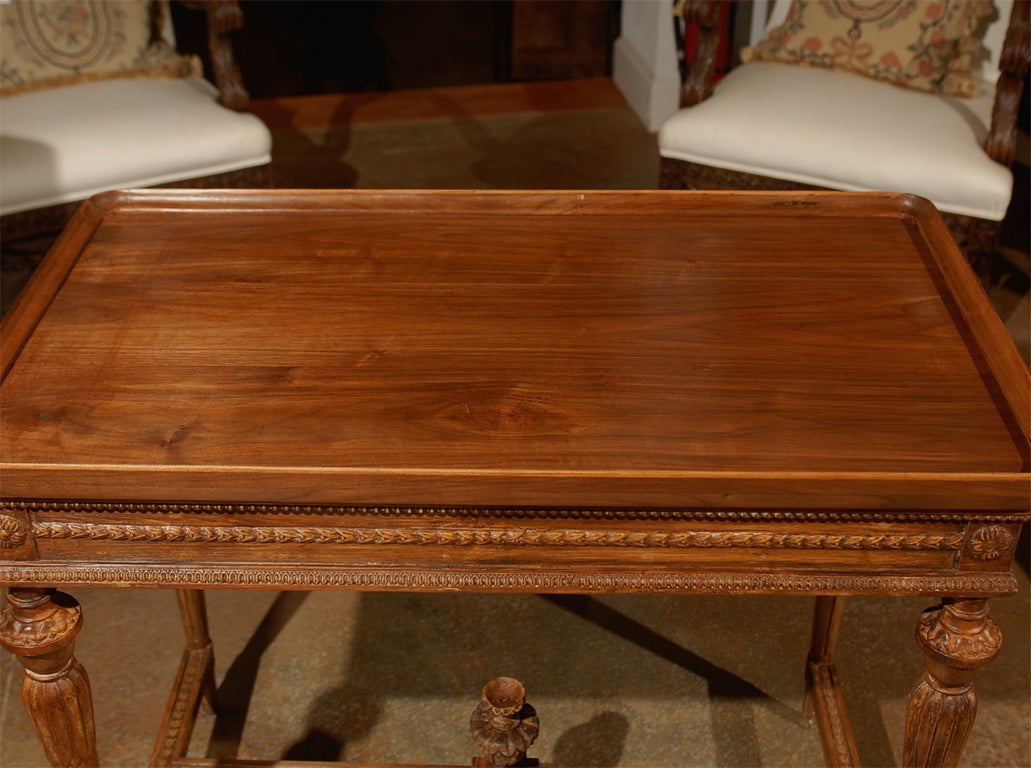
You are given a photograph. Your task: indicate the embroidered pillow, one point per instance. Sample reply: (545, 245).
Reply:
(47, 43)
(927, 45)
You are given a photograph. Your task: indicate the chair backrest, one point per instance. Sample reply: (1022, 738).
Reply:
(48, 44)
(994, 38)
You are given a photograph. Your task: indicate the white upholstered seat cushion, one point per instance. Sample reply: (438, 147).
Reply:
(842, 131)
(64, 144)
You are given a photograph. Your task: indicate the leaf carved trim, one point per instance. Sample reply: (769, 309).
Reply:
(35, 631)
(407, 579)
(968, 646)
(728, 515)
(462, 537)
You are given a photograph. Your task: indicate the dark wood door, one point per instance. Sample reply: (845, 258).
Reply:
(556, 40)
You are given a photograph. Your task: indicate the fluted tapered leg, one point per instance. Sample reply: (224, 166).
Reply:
(956, 638)
(39, 627)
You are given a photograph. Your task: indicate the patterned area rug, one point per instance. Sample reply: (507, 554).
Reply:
(557, 135)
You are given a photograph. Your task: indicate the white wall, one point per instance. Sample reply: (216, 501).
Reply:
(644, 60)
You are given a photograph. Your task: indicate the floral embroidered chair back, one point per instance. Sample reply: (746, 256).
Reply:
(937, 47)
(51, 43)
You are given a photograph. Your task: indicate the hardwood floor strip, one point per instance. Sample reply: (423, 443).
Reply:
(328, 110)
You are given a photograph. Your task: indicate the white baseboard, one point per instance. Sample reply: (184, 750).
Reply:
(652, 97)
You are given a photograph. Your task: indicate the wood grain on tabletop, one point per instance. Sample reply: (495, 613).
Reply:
(618, 334)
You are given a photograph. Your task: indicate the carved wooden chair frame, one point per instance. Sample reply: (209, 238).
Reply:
(977, 237)
(223, 18)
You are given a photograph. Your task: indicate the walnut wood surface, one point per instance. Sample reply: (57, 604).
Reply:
(545, 391)
(542, 349)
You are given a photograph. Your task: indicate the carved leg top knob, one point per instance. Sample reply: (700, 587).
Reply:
(504, 696)
(39, 623)
(504, 726)
(960, 634)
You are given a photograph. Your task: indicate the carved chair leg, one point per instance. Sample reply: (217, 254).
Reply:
(824, 705)
(980, 246)
(195, 623)
(957, 638)
(39, 627)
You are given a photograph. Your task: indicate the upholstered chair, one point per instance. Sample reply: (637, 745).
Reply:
(95, 97)
(840, 95)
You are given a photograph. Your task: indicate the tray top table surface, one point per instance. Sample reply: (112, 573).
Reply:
(644, 349)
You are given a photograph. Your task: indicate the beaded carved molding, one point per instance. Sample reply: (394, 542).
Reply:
(721, 515)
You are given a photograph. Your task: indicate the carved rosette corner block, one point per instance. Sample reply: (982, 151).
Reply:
(990, 542)
(39, 627)
(503, 725)
(16, 539)
(12, 532)
(957, 639)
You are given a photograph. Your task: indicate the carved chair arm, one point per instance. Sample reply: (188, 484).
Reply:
(1013, 66)
(697, 85)
(223, 18)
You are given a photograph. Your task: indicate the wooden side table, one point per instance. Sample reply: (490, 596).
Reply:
(564, 392)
